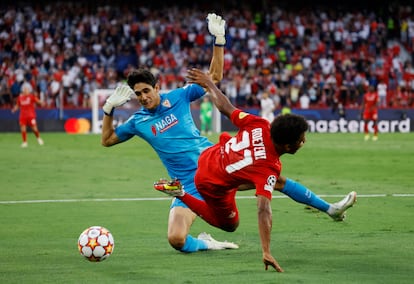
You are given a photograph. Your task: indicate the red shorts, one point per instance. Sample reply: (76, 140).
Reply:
(31, 121)
(221, 201)
(370, 115)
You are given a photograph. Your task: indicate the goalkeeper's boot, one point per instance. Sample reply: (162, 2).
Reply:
(340, 207)
(212, 244)
(172, 188)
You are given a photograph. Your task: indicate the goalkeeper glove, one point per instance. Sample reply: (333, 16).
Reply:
(121, 95)
(216, 28)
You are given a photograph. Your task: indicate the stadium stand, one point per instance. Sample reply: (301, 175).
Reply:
(331, 54)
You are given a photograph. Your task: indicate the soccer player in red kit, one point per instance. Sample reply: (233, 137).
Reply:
(369, 109)
(248, 160)
(27, 101)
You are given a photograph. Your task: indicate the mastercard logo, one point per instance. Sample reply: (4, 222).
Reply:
(77, 126)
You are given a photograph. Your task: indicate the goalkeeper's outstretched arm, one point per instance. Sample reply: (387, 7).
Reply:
(217, 64)
(121, 95)
(108, 136)
(216, 27)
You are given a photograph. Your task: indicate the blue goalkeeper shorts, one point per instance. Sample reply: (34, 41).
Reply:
(189, 187)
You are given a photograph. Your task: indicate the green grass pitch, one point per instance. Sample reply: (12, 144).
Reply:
(50, 194)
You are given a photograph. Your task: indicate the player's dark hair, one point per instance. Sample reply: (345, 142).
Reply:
(141, 76)
(288, 128)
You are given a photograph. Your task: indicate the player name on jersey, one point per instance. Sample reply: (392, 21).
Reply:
(259, 151)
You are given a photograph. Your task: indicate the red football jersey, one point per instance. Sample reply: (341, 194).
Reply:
(249, 157)
(371, 101)
(27, 105)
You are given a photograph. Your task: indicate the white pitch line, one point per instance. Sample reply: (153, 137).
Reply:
(169, 198)
(83, 200)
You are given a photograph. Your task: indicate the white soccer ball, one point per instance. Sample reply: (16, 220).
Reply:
(96, 243)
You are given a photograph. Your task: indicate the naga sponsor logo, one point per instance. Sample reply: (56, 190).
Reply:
(356, 126)
(164, 124)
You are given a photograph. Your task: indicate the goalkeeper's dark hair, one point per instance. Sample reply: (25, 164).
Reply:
(141, 76)
(288, 128)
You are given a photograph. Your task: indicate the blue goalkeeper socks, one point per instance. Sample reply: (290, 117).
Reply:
(192, 245)
(301, 194)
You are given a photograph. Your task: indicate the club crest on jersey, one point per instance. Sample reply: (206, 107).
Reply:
(166, 103)
(271, 182)
(164, 124)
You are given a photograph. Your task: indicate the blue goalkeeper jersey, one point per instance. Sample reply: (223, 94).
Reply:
(171, 131)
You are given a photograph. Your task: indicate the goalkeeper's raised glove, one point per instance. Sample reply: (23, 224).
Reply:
(216, 27)
(121, 95)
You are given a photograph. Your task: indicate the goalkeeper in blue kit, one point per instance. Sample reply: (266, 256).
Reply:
(166, 123)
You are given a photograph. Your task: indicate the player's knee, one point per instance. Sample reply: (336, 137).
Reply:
(230, 227)
(176, 241)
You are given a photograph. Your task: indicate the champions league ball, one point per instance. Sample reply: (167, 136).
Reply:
(96, 243)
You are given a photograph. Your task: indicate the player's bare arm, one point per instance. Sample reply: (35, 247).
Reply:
(217, 64)
(121, 95)
(264, 212)
(217, 97)
(216, 27)
(108, 136)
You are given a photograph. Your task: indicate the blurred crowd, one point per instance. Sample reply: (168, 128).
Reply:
(311, 57)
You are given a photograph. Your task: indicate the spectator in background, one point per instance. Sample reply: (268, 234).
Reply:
(15, 89)
(6, 98)
(231, 90)
(370, 112)
(294, 93)
(56, 41)
(267, 107)
(403, 97)
(382, 93)
(304, 101)
(54, 90)
(27, 101)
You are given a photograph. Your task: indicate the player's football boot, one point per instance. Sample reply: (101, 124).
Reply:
(213, 244)
(40, 141)
(172, 188)
(341, 206)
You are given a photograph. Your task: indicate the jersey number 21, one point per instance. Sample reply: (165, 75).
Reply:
(243, 145)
